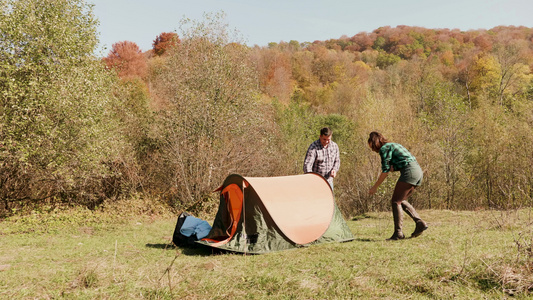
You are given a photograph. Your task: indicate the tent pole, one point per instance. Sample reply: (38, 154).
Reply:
(244, 218)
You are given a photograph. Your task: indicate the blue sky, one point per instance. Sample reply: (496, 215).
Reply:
(262, 22)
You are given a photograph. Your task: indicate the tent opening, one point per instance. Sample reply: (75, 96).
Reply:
(234, 199)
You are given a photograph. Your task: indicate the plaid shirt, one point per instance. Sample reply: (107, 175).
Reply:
(393, 154)
(322, 160)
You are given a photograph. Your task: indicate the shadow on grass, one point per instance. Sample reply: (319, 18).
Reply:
(161, 246)
(366, 240)
(193, 250)
(362, 217)
(199, 251)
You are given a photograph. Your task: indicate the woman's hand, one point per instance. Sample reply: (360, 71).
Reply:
(381, 178)
(373, 190)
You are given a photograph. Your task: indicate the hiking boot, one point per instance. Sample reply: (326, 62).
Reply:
(420, 227)
(420, 224)
(397, 215)
(396, 236)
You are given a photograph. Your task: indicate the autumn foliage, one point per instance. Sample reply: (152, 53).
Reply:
(456, 97)
(200, 105)
(127, 59)
(164, 42)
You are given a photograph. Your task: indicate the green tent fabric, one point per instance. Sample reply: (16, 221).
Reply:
(262, 214)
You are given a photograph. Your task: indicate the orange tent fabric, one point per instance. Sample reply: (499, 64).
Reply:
(234, 200)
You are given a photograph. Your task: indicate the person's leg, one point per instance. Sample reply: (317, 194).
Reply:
(410, 210)
(397, 216)
(420, 224)
(401, 191)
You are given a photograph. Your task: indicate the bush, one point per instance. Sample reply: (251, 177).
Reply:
(210, 124)
(57, 129)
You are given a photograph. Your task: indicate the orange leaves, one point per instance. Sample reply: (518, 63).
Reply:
(127, 59)
(275, 73)
(483, 42)
(447, 58)
(164, 42)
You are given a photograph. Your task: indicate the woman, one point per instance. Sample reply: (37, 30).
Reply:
(394, 157)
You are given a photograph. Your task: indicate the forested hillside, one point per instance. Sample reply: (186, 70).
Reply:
(171, 123)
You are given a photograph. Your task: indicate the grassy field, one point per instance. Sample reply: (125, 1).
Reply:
(86, 255)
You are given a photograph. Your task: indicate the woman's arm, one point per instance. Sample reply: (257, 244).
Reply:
(380, 180)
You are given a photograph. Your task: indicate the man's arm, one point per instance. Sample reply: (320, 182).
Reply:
(309, 159)
(337, 163)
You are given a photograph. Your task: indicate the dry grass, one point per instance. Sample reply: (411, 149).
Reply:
(462, 255)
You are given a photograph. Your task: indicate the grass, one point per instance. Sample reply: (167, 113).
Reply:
(86, 255)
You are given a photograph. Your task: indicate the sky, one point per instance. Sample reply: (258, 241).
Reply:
(262, 22)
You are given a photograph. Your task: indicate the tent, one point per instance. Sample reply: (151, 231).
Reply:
(263, 214)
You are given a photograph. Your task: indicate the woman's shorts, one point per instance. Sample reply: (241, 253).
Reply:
(412, 174)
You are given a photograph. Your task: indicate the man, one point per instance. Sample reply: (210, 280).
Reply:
(323, 157)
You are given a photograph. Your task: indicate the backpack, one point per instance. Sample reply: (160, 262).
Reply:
(193, 230)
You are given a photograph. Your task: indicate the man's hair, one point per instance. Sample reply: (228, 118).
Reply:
(326, 131)
(376, 140)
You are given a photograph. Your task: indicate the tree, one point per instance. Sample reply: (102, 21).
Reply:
(485, 76)
(445, 116)
(385, 59)
(127, 59)
(513, 70)
(483, 42)
(275, 68)
(55, 98)
(302, 69)
(465, 74)
(164, 42)
(212, 125)
(363, 41)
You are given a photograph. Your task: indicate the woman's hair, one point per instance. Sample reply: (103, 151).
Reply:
(376, 140)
